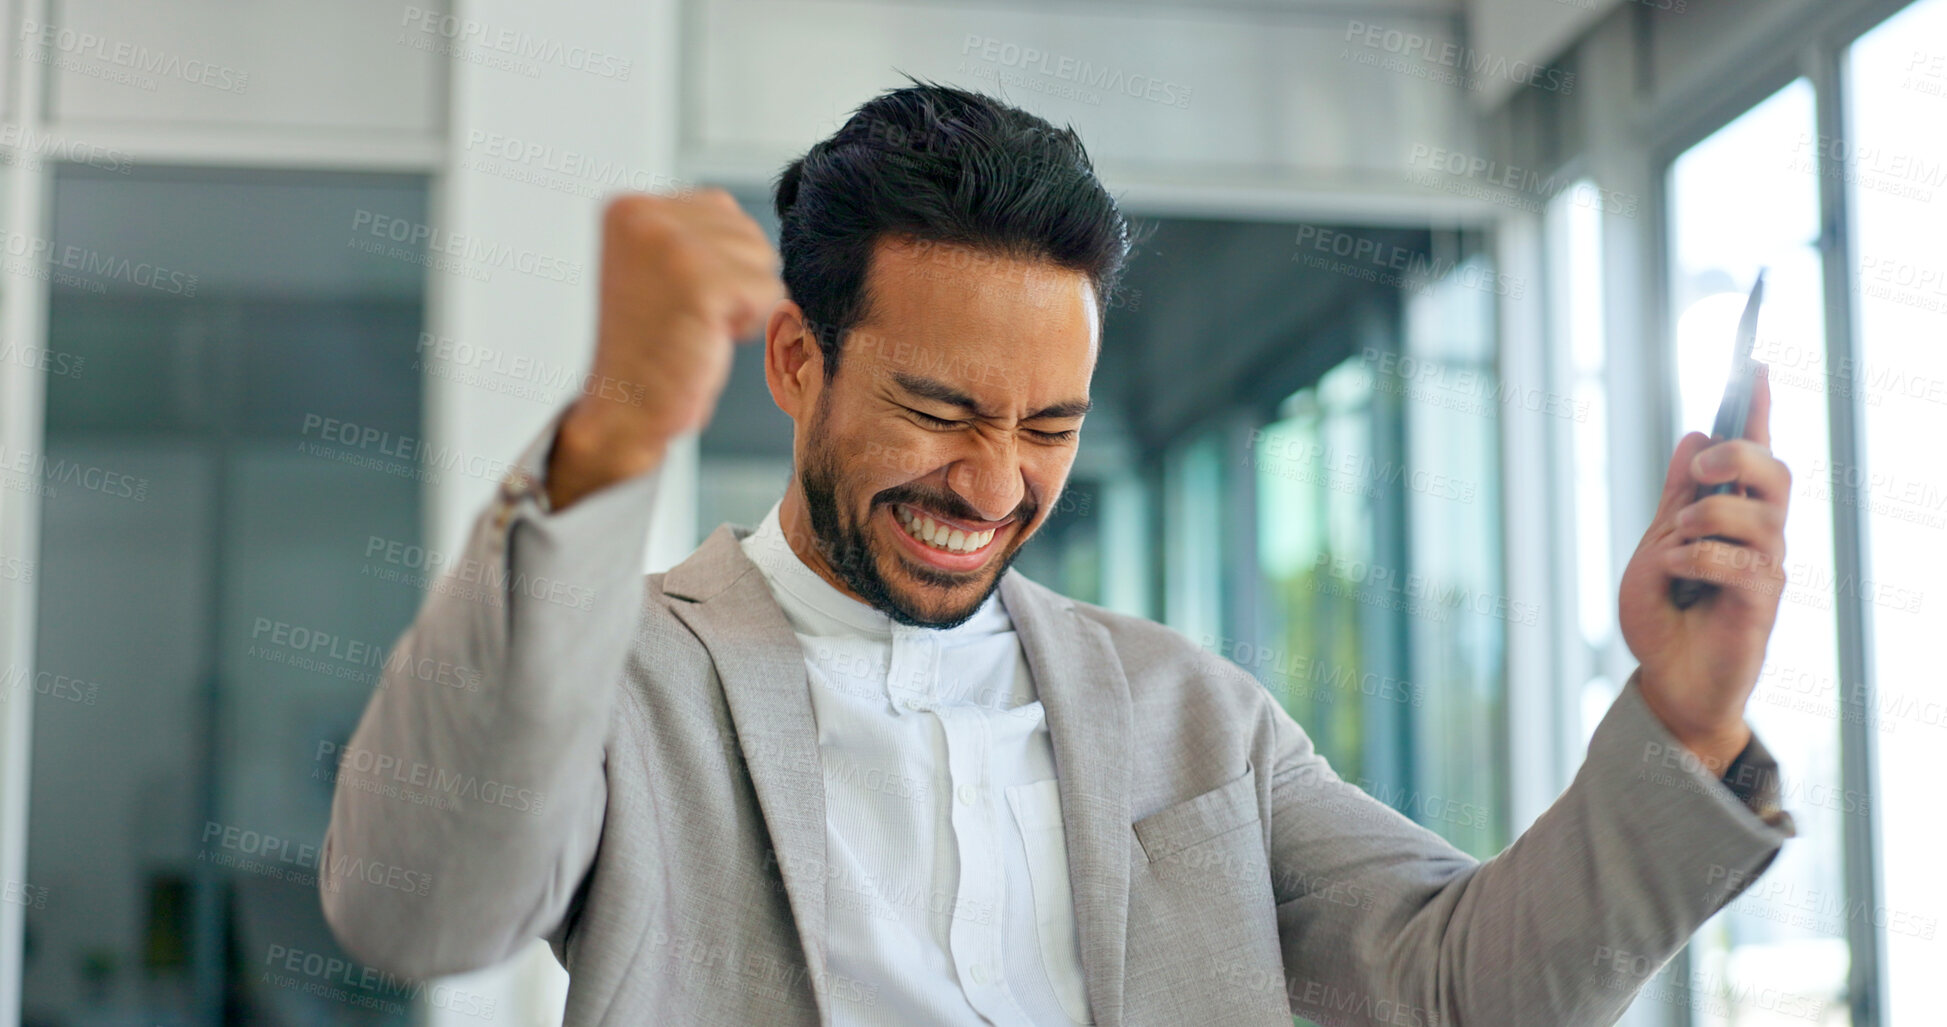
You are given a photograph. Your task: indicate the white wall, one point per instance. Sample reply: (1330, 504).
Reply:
(1533, 31)
(272, 64)
(520, 171)
(1271, 101)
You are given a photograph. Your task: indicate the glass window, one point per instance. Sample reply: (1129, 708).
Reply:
(1456, 634)
(1193, 560)
(1896, 166)
(1382, 619)
(1315, 545)
(1574, 225)
(1741, 200)
(230, 543)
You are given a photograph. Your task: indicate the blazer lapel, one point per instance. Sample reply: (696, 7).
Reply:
(1086, 699)
(761, 665)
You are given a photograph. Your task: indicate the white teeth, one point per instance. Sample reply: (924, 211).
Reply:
(933, 533)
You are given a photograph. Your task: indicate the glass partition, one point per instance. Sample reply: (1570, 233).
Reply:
(1741, 200)
(230, 520)
(1895, 162)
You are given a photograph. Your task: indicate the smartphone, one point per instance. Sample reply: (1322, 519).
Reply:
(1732, 414)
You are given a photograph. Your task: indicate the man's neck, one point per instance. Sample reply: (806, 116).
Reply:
(794, 519)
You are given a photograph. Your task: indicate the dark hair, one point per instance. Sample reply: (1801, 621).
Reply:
(939, 165)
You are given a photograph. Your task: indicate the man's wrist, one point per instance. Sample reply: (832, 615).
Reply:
(589, 453)
(1717, 753)
(1715, 747)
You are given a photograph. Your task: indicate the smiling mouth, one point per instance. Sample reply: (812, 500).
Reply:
(928, 532)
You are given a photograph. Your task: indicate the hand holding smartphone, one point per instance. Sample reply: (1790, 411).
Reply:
(1731, 415)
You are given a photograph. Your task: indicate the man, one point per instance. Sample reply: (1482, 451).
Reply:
(848, 768)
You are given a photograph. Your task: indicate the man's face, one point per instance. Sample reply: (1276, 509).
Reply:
(944, 438)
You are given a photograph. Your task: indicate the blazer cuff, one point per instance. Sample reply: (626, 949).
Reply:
(1753, 778)
(1749, 784)
(1709, 840)
(564, 560)
(619, 505)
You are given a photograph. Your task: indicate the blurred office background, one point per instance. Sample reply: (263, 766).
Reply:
(1430, 289)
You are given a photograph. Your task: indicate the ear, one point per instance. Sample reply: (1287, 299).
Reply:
(793, 364)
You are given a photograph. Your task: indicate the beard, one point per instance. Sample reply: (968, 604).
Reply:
(849, 549)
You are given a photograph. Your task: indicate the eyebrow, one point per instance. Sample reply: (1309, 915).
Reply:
(940, 392)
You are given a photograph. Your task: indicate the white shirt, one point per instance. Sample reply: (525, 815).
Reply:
(946, 889)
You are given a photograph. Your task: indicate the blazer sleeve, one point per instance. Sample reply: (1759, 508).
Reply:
(1383, 922)
(468, 803)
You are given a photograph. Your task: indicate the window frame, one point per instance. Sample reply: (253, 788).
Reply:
(1681, 123)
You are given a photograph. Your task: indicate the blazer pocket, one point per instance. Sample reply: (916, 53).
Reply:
(1037, 810)
(1199, 818)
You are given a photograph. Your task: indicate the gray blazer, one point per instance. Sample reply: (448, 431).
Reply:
(560, 748)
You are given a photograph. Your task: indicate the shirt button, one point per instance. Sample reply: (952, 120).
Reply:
(979, 974)
(967, 796)
(911, 704)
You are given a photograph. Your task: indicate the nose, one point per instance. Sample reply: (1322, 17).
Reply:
(988, 476)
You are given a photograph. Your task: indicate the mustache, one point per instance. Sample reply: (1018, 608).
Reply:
(947, 503)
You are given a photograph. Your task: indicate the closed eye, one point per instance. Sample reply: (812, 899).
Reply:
(930, 421)
(942, 424)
